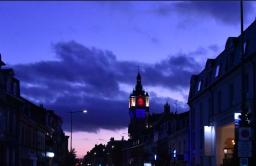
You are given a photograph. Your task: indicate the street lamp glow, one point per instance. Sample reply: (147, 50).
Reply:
(50, 154)
(71, 123)
(225, 151)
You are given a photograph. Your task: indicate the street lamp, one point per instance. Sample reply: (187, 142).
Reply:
(225, 153)
(71, 124)
(50, 155)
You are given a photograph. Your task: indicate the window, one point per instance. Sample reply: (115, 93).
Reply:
(199, 85)
(9, 86)
(210, 107)
(231, 94)
(245, 46)
(132, 101)
(201, 113)
(193, 140)
(147, 101)
(219, 101)
(201, 137)
(2, 122)
(217, 70)
(184, 146)
(193, 118)
(15, 89)
(246, 83)
(232, 58)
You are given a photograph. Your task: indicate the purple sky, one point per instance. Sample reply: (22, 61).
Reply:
(76, 55)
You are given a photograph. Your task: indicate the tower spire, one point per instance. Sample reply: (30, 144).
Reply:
(138, 83)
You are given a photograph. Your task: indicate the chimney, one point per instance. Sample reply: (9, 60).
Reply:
(1, 62)
(167, 108)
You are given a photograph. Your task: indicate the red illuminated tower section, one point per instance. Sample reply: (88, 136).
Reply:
(138, 111)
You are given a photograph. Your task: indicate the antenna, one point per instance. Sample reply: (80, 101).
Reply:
(175, 106)
(242, 18)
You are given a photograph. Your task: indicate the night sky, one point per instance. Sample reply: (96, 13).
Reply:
(72, 56)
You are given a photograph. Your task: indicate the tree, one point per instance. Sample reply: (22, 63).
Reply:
(71, 158)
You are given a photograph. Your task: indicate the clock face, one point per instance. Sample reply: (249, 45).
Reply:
(140, 102)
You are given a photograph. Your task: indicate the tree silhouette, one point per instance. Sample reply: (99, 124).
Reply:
(71, 158)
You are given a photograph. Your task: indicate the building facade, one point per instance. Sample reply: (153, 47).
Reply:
(171, 138)
(215, 100)
(28, 133)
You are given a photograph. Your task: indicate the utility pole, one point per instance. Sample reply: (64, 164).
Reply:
(71, 127)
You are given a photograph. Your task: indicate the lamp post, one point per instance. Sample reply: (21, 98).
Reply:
(225, 153)
(71, 124)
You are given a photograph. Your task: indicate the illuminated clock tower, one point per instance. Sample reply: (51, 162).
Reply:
(138, 111)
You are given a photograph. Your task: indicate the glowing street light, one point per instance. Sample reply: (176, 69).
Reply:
(50, 154)
(71, 123)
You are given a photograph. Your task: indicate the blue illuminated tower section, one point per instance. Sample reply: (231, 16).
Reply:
(138, 110)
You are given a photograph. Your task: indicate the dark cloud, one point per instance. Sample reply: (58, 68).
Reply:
(227, 12)
(89, 78)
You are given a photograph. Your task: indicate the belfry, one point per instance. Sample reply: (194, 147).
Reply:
(138, 110)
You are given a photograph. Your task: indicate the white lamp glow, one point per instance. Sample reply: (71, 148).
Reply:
(147, 164)
(50, 154)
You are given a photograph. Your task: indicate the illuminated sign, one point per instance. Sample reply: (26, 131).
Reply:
(237, 118)
(209, 137)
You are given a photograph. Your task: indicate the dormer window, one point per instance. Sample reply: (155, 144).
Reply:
(245, 46)
(199, 85)
(217, 71)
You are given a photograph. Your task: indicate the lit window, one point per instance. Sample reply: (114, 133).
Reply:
(174, 153)
(209, 137)
(132, 101)
(217, 71)
(233, 142)
(147, 101)
(199, 86)
(155, 156)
